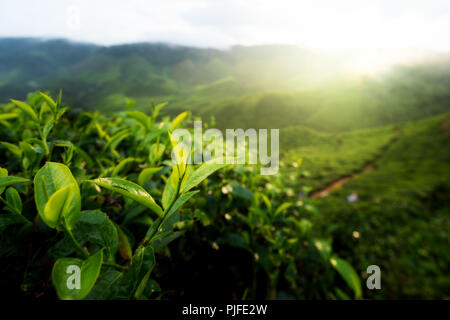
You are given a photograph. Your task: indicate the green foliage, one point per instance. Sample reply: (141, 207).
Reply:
(146, 174)
(107, 198)
(89, 272)
(90, 239)
(349, 274)
(401, 213)
(13, 200)
(130, 190)
(57, 195)
(200, 174)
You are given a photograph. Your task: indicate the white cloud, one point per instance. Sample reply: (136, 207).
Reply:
(324, 23)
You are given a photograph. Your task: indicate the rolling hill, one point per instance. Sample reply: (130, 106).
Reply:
(262, 86)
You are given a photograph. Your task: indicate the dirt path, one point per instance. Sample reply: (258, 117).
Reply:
(323, 192)
(341, 181)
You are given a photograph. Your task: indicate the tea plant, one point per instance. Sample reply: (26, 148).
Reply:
(100, 193)
(59, 200)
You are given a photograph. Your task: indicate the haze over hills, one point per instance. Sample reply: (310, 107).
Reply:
(260, 86)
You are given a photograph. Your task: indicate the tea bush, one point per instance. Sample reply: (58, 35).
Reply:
(100, 192)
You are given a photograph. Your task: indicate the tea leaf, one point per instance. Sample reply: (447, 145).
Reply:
(130, 190)
(64, 276)
(26, 109)
(348, 274)
(13, 149)
(146, 174)
(116, 139)
(178, 121)
(7, 116)
(9, 219)
(50, 102)
(51, 178)
(324, 247)
(142, 263)
(123, 244)
(121, 165)
(205, 170)
(143, 283)
(282, 208)
(95, 226)
(10, 180)
(156, 152)
(58, 205)
(180, 201)
(140, 117)
(13, 200)
(171, 188)
(47, 128)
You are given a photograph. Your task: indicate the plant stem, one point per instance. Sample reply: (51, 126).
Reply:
(150, 238)
(82, 250)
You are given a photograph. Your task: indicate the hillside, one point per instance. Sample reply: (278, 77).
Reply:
(401, 212)
(270, 86)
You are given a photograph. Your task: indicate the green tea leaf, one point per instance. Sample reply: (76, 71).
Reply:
(60, 112)
(142, 263)
(13, 149)
(3, 174)
(140, 117)
(304, 225)
(324, 247)
(9, 219)
(130, 190)
(149, 138)
(26, 109)
(239, 191)
(156, 109)
(51, 178)
(83, 154)
(102, 288)
(59, 99)
(139, 294)
(10, 180)
(121, 165)
(348, 274)
(13, 200)
(176, 123)
(171, 188)
(7, 116)
(266, 202)
(95, 226)
(205, 170)
(123, 244)
(146, 174)
(47, 128)
(116, 139)
(71, 285)
(180, 201)
(59, 205)
(156, 152)
(282, 208)
(50, 102)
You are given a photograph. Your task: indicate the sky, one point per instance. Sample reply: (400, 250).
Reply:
(322, 24)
